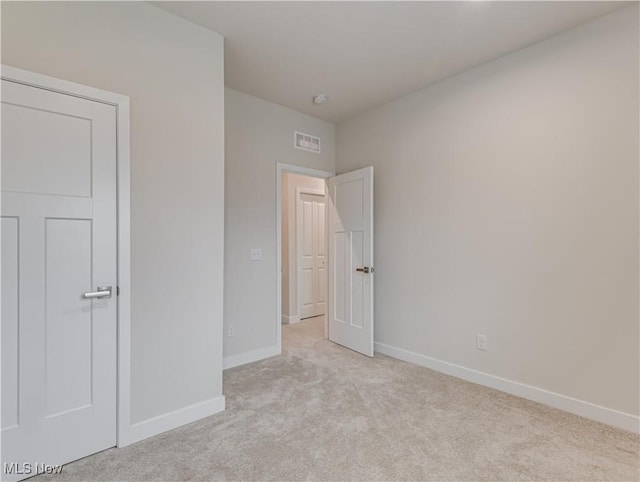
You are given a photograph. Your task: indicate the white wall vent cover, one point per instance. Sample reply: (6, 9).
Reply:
(306, 142)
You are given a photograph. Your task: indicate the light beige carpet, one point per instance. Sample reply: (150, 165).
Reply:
(322, 412)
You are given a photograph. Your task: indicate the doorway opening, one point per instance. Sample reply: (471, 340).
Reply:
(301, 246)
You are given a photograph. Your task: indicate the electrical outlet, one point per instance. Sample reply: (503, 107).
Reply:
(256, 254)
(231, 330)
(481, 342)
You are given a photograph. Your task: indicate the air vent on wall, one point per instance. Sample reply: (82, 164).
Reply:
(306, 142)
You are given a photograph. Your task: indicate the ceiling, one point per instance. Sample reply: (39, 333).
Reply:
(362, 54)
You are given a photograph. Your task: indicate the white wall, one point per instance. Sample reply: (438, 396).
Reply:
(291, 182)
(173, 72)
(506, 204)
(259, 134)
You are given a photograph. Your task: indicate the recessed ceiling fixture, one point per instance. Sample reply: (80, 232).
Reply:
(320, 98)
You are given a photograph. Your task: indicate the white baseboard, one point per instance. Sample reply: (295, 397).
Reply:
(157, 425)
(589, 410)
(290, 319)
(250, 357)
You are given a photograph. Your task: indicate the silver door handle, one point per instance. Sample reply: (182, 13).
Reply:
(366, 269)
(102, 292)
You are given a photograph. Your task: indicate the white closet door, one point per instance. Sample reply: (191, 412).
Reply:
(312, 255)
(58, 243)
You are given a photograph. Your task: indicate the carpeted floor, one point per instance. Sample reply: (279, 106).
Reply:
(322, 412)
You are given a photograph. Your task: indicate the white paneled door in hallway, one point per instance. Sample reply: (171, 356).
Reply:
(58, 278)
(312, 254)
(350, 204)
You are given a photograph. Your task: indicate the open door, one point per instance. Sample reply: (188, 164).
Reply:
(350, 204)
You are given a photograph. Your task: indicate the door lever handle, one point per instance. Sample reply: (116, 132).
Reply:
(102, 292)
(365, 269)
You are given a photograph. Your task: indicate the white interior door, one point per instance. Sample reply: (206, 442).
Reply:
(312, 255)
(58, 243)
(350, 204)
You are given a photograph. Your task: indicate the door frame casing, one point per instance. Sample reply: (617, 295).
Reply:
(281, 168)
(298, 245)
(123, 227)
